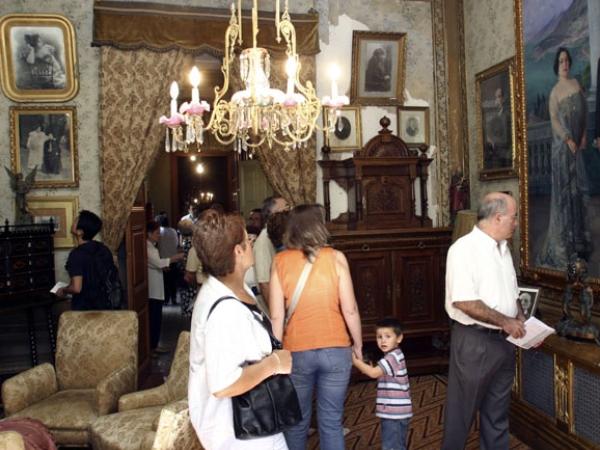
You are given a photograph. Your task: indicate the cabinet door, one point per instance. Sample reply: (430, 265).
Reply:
(418, 293)
(370, 277)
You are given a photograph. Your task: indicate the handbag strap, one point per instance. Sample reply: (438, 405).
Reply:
(299, 288)
(275, 343)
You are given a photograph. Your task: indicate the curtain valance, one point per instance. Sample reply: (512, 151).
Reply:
(158, 27)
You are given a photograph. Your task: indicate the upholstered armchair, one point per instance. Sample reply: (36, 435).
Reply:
(141, 413)
(96, 363)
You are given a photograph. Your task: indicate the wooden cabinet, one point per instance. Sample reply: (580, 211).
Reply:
(400, 273)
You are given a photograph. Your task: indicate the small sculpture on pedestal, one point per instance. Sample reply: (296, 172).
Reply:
(578, 289)
(21, 186)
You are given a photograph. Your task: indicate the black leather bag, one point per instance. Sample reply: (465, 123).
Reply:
(269, 407)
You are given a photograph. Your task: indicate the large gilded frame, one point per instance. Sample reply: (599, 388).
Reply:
(61, 48)
(538, 275)
(494, 76)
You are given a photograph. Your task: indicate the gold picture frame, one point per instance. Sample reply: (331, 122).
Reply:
(378, 61)
(45, 137)
(413, 125)
(38, 58)
(495, 99)
(347, 134)
(62, 210)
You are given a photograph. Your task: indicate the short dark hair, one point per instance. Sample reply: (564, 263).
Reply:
(390, 322)
(152, 226)
(267, 207)
(215, 238)
(162, 219)
(557, 57)
(89, 223)
(276, 226)
(306, 229)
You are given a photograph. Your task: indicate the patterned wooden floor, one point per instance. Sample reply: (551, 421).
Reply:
(428, 395)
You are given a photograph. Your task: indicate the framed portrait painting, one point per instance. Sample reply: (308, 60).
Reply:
(38, 58)
(347, 133)
(378, 61)
(61, 210)
(495, 121)
(528, 298)
(45, 138)
(413, 125)
(558, 129)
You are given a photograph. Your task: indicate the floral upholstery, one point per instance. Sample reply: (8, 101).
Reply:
(134, 426)
(96, 363)
(175, 431)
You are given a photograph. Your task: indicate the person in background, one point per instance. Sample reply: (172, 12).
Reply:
(317, 332)
(481, 300)
(393, 404)
(168, 245)
(263, 248)
(86, 294)
(276, 226)
(230, 351)
(156, 289)
(254, 223)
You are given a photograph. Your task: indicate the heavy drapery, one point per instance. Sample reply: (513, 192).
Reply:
(144, 47)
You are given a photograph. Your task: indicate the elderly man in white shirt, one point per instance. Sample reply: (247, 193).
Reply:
(482, 299)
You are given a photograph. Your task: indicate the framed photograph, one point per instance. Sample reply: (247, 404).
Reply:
(347, 133)
(413, 125)
(377, 68)
(495, 121)
(38, 58)
(557, 132)
(528, 297)
(45, 137)
(62, 211)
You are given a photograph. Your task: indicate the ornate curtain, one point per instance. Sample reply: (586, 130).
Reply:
(144, 47)
(133, 86)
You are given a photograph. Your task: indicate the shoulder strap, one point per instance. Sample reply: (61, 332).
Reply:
(299, 288)
(225, 297)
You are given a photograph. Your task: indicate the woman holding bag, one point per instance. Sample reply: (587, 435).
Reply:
(231, 353)
(317, 332)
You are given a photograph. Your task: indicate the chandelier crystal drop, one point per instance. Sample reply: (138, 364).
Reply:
(257, 114)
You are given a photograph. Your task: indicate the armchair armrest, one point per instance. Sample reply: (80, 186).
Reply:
(157, 396)
(28, 387)
(111, 388)
(174, 428)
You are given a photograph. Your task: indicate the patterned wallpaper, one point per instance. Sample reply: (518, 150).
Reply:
(489, 39)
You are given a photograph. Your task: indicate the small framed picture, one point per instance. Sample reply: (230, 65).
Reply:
(377, 68)
(413, 125)
(45, 137)
(347, 133)
(495, 120)
(38, 58)
(61, 210)
(528, 297)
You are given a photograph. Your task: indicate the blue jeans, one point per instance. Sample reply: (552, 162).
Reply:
(393, 434)
(327, 370)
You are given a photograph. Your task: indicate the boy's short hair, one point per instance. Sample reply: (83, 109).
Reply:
(390, 322)
(89, 223)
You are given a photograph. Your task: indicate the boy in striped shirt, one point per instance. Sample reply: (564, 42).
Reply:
(394, 406)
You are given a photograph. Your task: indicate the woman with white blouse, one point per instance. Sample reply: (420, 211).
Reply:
(156, 289)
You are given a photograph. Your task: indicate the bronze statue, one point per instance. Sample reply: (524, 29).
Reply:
(21, 186)
(578, 289)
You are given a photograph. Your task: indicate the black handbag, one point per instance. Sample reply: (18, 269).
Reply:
(269, 407)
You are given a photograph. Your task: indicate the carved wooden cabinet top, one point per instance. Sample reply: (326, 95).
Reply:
(383, 174)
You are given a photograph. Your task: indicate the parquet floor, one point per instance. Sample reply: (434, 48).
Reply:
(428, 395)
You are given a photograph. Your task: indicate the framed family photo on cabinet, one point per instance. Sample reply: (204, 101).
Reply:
(38, 58)
(45, 137)
(413, 125)
(377, 68)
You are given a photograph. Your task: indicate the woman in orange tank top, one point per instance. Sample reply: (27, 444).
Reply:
(319, 330)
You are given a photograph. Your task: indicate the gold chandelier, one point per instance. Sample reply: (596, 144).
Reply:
(257, 114)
